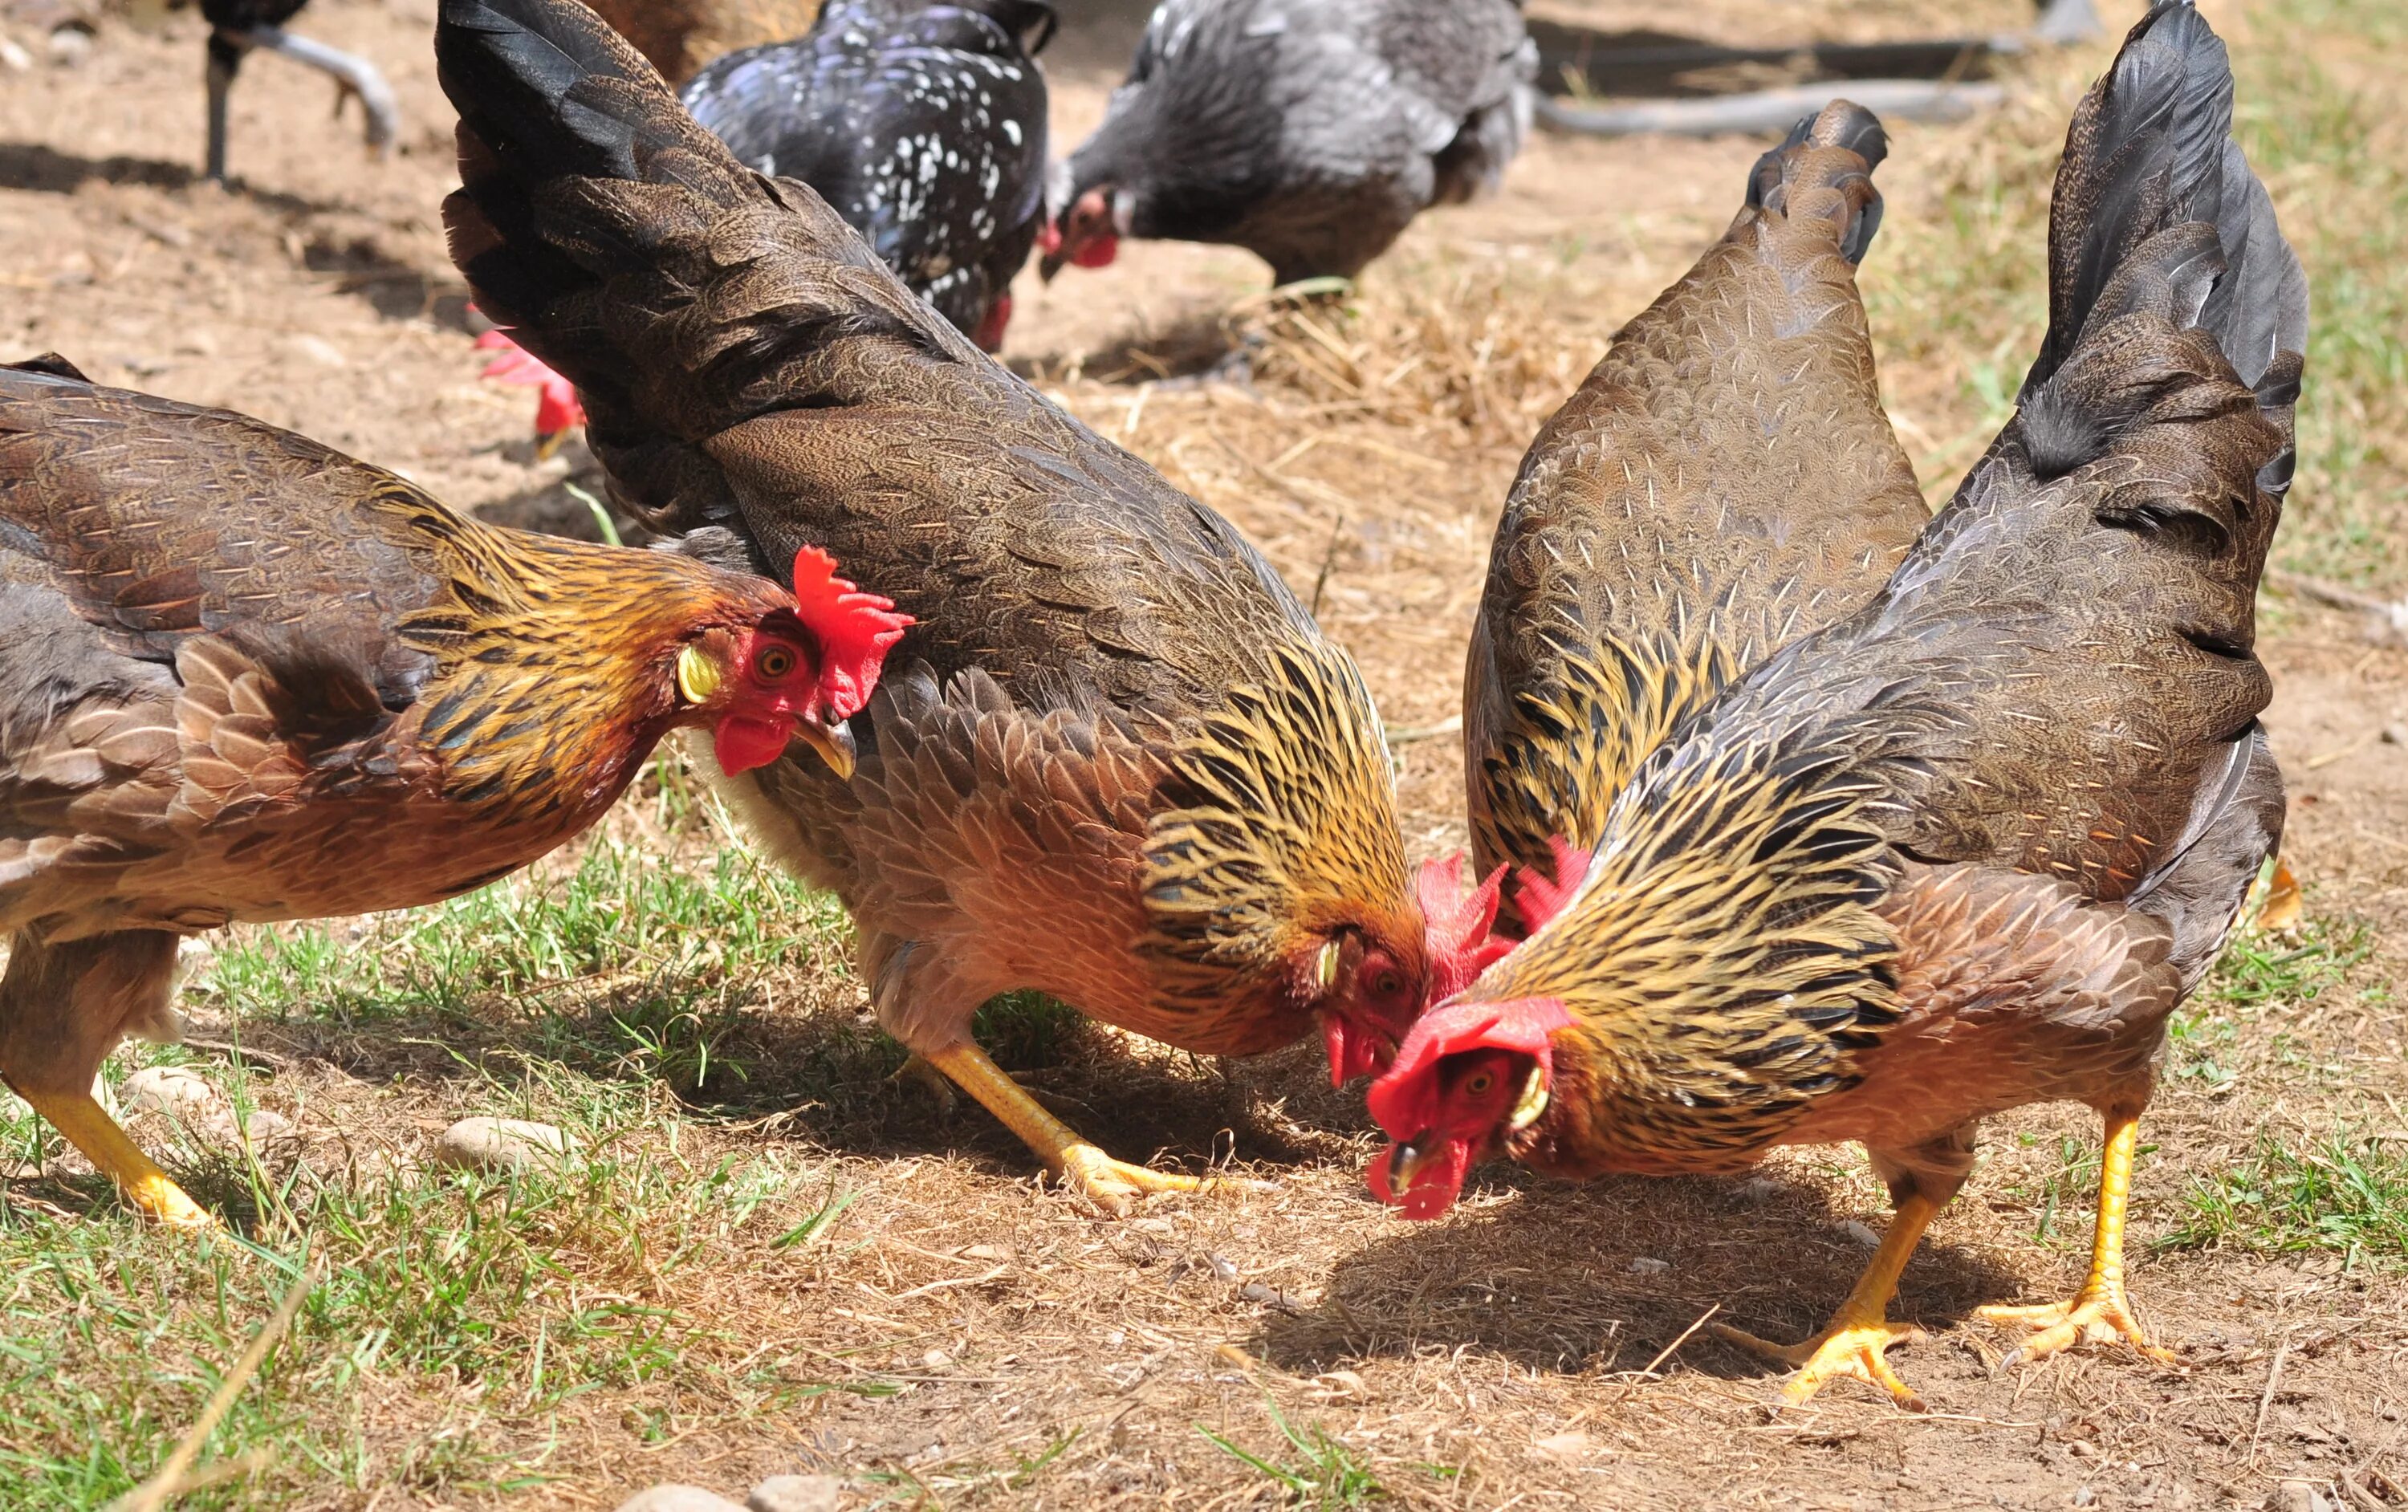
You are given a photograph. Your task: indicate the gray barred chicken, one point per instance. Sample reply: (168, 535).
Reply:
(1722, 482)
(1967, 848)
(1309, 132)
(1115, 761)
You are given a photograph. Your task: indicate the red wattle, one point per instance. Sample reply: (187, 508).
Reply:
(1098, 252)
(741, 744)
(1434, 1189)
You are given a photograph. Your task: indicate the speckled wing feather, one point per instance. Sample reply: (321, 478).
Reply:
(748, 362)
(922, 125)
(1724, 482)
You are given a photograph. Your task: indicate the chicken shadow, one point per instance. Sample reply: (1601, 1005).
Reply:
(37, 168)
(1609, 1275)
(827, 1074)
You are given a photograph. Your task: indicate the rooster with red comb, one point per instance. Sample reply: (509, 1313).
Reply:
(1967, 848)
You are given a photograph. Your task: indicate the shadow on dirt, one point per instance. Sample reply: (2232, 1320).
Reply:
(1607, 1275)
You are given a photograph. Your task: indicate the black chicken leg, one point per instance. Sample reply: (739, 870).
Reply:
(356, 75)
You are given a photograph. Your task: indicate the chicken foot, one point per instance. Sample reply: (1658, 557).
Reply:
(1109, 1183)
(1860, 1334)
(146, 1188)
(2100, 1313)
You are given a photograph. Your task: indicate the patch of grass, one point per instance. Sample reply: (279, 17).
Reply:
(1325, 1472)
(2258, 973)
(2342, 1194)
(507, 1302)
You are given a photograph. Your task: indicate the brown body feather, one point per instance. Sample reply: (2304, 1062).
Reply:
(1117, 760)
(1967, 847)
(247, 678)
(1722, 482)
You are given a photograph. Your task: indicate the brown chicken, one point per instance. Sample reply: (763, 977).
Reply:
(1966, 849)
(243, 677)
(1724, 483)
(1119, 762)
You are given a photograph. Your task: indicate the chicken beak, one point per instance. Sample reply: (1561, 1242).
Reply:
(833, 742)
(1411, 1156)
(548, 443)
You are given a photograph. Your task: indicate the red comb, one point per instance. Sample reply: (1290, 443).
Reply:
(1405, 1097)
(1463, 941)
(854, 630)
(557, 406)
(1540, 897)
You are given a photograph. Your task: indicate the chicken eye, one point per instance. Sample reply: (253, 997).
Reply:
(1478, 1083)
(1387, 984)
(774, 662)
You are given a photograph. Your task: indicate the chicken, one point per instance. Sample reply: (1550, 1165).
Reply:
(921, 122)
(1966, 849)
(1722, 483)
(1309, 132)
(1121, 764)
(239, 26)
(245, 679)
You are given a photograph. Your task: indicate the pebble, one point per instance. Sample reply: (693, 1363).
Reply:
(1649, 1265)
(1861, 1232)
(2395, 734)
(678, 1499)
(483, 1144)
(795, 1493)
(178, 1091)
(195, 1102)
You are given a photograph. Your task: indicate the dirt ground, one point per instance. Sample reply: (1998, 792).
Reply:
(1537, 1349)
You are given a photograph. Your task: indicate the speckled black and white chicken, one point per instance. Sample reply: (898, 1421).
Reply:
(922, 124)
(1309, 132)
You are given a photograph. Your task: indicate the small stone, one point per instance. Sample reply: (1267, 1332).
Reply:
(319, 350)
(795, 1493)
(14, 58)
(70, 46)
(1861, 1232)
(483, 1144)
(678, 1499)
(1755, 1191)
(178, 1091)
(1222, 1268)
(1649, 1265)
(2084, 1496)
(2395, 734)
(988, 1251)
(937, 1360)
(1564, 1448)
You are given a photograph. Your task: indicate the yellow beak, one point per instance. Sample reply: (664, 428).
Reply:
(833, 742)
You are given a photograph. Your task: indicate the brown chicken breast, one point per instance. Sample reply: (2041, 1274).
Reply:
(1722, 482)
(244, 678)
(1119, 762)
(1966, 849)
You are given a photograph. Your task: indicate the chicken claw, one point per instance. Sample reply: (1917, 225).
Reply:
(2100, 1313)
(147, 1188)
(1860, 1333)
(2094, 1317)
(1110, 1184)
(1854, 1350)
(1113, 1185)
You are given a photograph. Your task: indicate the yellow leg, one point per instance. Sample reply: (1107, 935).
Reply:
(147, 1188)
(2098, 1313)
(1108, 1182)
(1860, 1333)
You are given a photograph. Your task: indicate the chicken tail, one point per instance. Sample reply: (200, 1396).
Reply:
(2157, 210)
(624, 245)
(1826, 168)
